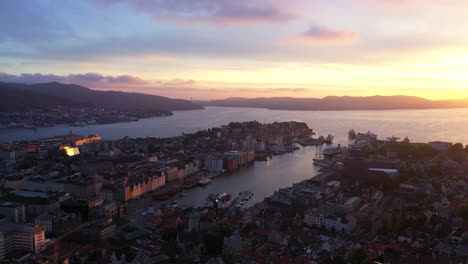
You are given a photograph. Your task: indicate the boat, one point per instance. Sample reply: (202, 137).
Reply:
(204, 182)
(368, 135)
(329, 139)
(79, 124)
(352, 134)
(223, 200)
(332, 151)
(322, 163)
(27, 126)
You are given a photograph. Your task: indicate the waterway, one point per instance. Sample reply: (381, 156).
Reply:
(264, 177)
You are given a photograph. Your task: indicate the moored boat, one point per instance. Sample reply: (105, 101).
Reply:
(330, 152)
(204, 182)
(322, 163)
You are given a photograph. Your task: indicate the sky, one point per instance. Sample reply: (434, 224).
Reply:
(213, 49)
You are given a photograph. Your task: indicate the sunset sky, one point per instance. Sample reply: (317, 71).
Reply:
(209, 49)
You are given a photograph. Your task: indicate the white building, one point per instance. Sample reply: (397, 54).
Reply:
(340, 224)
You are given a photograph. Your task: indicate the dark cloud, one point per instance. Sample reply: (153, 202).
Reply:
(318, 34)
(89, 79)
(209, 11)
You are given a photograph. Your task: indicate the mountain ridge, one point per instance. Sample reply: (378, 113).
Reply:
(106, 99)
(330, 103)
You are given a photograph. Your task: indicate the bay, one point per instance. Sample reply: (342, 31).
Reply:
(263, 178)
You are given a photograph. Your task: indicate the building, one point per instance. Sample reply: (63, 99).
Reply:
(231, 163)
(352, 204)
(107, 192)
(15, 211)
(122, 193)
(275, 140)
(214, 163)
(21, 237)
(441, 145)
(83, 187)
(172, 174)
(318, 218)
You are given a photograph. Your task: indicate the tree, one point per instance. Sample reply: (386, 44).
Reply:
(359, 256)
(456, 152)
(463, 212)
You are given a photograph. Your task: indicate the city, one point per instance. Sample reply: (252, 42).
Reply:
(86, 199)
(233, 132)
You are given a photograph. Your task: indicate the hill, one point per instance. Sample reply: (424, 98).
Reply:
(20, 100)
(338, 103)
(105, 99)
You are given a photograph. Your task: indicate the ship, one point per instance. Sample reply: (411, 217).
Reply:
(330, 152)
(352, 134)
(329, 139)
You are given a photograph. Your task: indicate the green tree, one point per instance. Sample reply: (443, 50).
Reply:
(463, 212)
(359, 256)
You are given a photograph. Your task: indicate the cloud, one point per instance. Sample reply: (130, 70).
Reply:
(208, 11)
(320, 34)
(88, 79)
(177, 82)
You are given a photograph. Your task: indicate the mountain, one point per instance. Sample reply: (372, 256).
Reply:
(106, 99)
(19, 100)
(338, 103)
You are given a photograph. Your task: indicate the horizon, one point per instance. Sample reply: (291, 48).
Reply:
(258, 97)
(249, 49)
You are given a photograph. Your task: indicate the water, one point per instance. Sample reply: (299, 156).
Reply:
(282, 171)
(263, 178)
(418, 125)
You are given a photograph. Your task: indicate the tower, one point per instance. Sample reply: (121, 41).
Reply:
(194, 222)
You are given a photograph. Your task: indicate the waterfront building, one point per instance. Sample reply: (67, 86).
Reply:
(231, 163)
(214, 163)
(275, 140)
(172, 174)
(260, 147)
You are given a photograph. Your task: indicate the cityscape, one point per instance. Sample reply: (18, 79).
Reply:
(233, 132)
